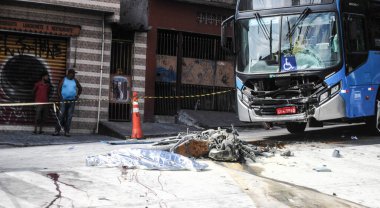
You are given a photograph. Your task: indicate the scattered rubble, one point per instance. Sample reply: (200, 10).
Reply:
(322, 169)
(193, 148)
(175, 153)
(354, 138)
(267, 154)
(336, 154)
(287, 154)
(219, 145)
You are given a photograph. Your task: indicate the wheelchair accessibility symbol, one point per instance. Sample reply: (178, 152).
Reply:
(288, 64)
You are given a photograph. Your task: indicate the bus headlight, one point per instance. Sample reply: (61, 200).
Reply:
(335, 89)
(330, 92)
(243, 97)
(324, 96)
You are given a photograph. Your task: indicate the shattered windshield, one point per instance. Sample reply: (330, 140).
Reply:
(309, 43)
(259, 45)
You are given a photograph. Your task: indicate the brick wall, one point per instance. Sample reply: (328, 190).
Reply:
(88, 53)
(139, 67)
(112, 6)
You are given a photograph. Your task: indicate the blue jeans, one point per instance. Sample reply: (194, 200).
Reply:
(65, 116)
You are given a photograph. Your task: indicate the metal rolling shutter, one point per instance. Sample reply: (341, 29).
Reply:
(23, 59)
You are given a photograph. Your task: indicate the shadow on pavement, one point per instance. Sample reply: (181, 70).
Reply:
(357, 134)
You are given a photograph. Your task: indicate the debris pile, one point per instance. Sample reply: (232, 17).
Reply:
(219, 145)
(177, 153)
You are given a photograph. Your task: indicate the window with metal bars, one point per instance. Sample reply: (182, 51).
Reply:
(194, 45)
(204, 47)
(197, 46)
(167, 42)
(121, 64)
(121, 60)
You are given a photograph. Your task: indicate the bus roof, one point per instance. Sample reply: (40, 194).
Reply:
(254, 5)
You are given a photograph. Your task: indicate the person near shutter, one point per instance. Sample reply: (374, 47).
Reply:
(69, 90)
(41, 93)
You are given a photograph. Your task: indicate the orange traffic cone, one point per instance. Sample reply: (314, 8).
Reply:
(136, 120)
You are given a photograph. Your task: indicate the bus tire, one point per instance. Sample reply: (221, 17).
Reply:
(371, 122)
(296, 127)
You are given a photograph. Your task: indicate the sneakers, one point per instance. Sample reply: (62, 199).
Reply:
(67, 134)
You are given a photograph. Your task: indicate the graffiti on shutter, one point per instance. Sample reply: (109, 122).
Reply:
(23, 59)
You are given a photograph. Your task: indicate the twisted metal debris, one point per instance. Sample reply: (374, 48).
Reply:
(223, 145)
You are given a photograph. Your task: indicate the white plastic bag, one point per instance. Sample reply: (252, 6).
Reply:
(145, 159)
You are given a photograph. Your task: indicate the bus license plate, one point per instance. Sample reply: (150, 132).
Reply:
(286, 110)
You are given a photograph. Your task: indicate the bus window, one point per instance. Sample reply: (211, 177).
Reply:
(376, 33)
(357, 52)
(356, 39)
(246, 5)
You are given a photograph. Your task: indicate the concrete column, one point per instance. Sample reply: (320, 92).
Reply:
(139, 67)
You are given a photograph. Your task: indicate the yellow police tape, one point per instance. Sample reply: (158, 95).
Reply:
(189, 96)
(91, 100)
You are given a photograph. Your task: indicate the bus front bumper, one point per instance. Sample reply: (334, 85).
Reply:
(249, 115)
(330, 110)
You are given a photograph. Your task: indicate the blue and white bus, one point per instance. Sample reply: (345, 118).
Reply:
(307, 61)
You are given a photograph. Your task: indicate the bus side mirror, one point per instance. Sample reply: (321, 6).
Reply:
(223, 40)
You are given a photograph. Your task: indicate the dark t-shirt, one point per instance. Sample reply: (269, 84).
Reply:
(41, 90)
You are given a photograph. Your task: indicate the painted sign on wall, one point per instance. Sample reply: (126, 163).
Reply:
(23, 59)
(207, 72)
(166, 70)
(225, 74)
(198, 71)
(120, 89)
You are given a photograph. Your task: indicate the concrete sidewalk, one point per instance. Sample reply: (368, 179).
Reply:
(123, 130)
(58, 176)
(187, 120)
(26, 139)
(213, 119)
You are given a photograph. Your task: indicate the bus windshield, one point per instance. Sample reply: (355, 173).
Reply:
(249, 5)
(288, 43)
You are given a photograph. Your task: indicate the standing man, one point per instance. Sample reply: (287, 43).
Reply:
(69, 91)
(41, 93)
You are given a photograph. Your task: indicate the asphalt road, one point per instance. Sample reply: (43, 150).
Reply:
(353, 176)
(339, 133)
(56, 176)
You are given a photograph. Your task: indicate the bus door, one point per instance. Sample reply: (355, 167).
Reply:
(358, 65)
(374, 29)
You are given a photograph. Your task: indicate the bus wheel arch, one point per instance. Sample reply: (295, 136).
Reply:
(371, 121)
(296, 127)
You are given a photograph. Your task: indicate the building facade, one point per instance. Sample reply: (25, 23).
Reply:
(154, 47)
(39, 36)
(184, 56)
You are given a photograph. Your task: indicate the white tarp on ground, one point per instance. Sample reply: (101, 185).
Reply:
(145, 159)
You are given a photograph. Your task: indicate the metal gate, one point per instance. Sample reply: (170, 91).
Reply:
(119, 105)
(23, 59)
(190, 64)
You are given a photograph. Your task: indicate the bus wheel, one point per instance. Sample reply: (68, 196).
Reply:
(371, 122)
(295, 127)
